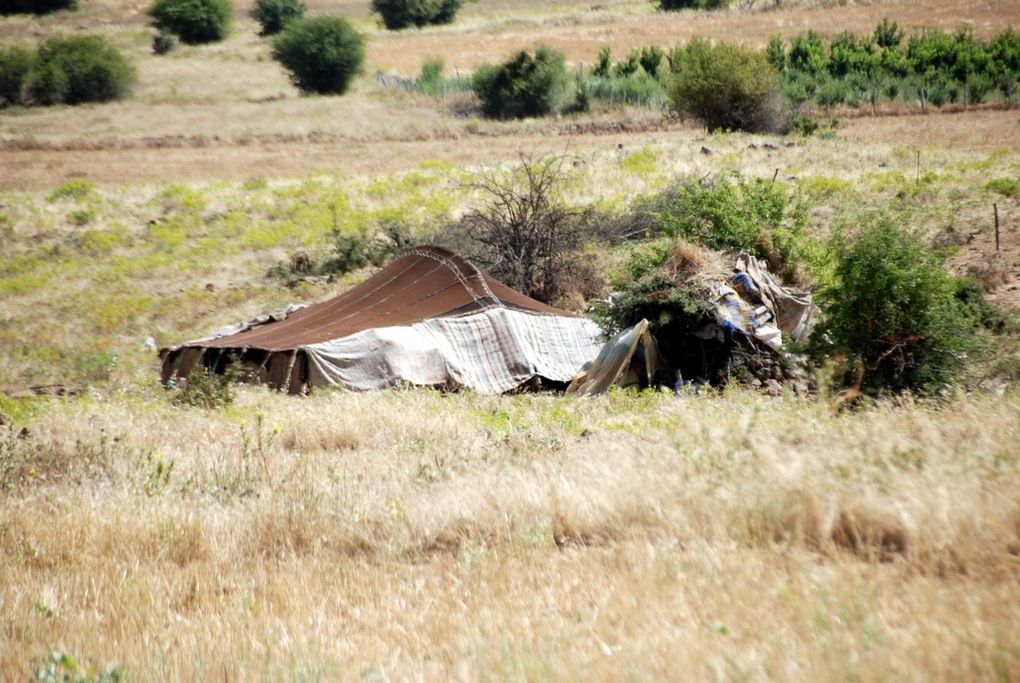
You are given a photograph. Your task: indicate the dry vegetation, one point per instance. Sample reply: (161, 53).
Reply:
(721, 537)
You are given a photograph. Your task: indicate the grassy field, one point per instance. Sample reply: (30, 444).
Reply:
(519, 538)
(414, 535)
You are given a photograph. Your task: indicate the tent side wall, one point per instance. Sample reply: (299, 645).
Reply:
(285, 370)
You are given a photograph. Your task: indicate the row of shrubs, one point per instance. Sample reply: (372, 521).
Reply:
(206, 21)
(934, 66)
(207, 17)
(66, 70)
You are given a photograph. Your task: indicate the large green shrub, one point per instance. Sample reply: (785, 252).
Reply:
(322, 54)
(892, 312)
(15, 64)
(525, 85)
(398, 14)
(194, 21)
(274, 14)
(78, 69)
(35, 6)
(730, 87)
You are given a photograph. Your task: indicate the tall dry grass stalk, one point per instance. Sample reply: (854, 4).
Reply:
(414, 535)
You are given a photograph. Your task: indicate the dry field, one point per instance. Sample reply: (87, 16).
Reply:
(412, 535)
(227, 110)
(416, 536)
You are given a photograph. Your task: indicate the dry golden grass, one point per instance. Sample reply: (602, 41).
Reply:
(411, 535)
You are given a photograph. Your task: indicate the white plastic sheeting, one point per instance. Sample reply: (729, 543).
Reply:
(491, 351)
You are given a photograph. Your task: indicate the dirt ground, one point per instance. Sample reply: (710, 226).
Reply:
(174, 158)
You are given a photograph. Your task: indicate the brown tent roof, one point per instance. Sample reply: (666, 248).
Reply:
(425, 282)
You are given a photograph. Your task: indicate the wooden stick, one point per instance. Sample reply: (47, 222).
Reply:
(995, 207)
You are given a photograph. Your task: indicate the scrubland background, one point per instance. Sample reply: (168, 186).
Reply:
(425, 536)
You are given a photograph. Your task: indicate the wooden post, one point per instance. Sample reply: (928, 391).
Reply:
(775, 175)
(995, 207)
(917, 173)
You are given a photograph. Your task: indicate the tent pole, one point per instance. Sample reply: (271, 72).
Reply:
(290, 370)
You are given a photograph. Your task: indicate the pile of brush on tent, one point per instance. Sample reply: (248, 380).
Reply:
(698, 318)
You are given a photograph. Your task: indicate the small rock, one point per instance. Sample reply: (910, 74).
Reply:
(706, 151)
(773, 388)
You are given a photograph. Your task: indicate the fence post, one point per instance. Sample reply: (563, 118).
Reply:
(995, 207)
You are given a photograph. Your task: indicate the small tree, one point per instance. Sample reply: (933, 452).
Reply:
(322, 54)
(892, 312)
(807, 54)
(523, 232)
(775, 52)
(726, 86)
(273, 15)
(888, 34)
(15, 65)
(651, 59)
(194, 21)
(526, 85)
(398, 14)
(79, 69)
(1004, 52)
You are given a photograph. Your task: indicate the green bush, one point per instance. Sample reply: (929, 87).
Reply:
(729, 87)
(892, 312)
(194, 21)
(398, 14)
(274, 14)
(671, 5)
(36, 6)
(204, 389)
(322, 54)
(735, 214)
(526, 85)
(651, 59)
(79, 69)
(15, 65)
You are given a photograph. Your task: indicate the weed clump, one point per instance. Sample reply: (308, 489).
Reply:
(273, 15)
(398, 14)
(204, 389)
(322, 54)
(194, 21)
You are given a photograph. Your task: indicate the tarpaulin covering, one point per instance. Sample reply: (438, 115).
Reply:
(755, 304)
(616, 360)
(428, 318)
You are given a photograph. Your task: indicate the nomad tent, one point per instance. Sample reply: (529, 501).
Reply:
(429, 318)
